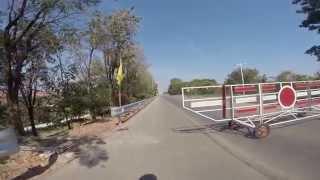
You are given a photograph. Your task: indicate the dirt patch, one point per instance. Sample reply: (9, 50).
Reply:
(97, 128)
(20, 163)
(37, 155)
(56, 147)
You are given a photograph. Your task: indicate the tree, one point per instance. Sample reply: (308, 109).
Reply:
(3, 108)
(25, 21)
(249, 76)
(3, 116)
(175, 86)
(77, 101)
(118, 31)
(138, 82)
(312, 20)
(288, 76)
(84, 47)
(316, 76)
(34, 74)
(202, 82)
(59, 85)
(304, 77)
(2, 65)
(144, 86)
(42, 50)
(74, 102)
(104, 35)
(264, 78)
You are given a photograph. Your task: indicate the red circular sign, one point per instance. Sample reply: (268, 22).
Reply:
(287, 97)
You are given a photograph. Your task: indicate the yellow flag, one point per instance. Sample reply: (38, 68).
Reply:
(120, 74)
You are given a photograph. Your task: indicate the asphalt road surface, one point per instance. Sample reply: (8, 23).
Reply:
(165, 142)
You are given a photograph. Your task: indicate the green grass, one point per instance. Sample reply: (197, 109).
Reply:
(3, 161)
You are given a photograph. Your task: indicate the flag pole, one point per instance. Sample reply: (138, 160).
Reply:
(119, 93)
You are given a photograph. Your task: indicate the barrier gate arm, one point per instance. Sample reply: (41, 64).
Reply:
(257, 106)
(200, 99)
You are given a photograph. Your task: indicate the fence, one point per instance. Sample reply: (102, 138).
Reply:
(256, 106)
(117, 111)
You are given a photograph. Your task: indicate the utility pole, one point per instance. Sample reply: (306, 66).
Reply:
(242, 76)
(241, 70)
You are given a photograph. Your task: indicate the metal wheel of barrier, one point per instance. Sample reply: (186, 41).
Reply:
(255, 106)
(262, 131)
(233, 125)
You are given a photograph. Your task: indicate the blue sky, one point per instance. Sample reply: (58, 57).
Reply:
(206, 38)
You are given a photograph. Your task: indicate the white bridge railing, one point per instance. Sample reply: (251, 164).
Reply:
(116, 111)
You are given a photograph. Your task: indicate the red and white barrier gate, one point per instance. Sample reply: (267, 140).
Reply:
(257, 106)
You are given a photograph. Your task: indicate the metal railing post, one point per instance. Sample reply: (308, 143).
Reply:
(309, 97)
(182, 92)
(261, 104)
(231, 102)
(224, 102)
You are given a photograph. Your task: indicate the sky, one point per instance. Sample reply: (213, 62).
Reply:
(191, 39)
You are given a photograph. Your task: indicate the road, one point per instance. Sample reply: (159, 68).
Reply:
(172, 144)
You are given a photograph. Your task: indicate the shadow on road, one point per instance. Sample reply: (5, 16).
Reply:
(240, 130)
(214, 128)
(148, 177)
(296, 123)
(89, 150)
(37, 170)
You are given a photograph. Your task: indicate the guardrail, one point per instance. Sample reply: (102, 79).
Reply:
(45, 125)
(117, 111)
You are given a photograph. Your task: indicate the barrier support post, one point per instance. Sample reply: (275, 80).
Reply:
(182, 92)
(261, 104)
(309, 97)
(231, 102)
(224, 102)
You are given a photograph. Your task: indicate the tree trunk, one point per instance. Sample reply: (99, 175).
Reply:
(67, 120)
(13, 84)
(14, 112)
(32, 123)
(13, 99)
(69, 125)
(92, 108)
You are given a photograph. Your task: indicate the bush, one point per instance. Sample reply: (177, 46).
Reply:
(3, 116)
